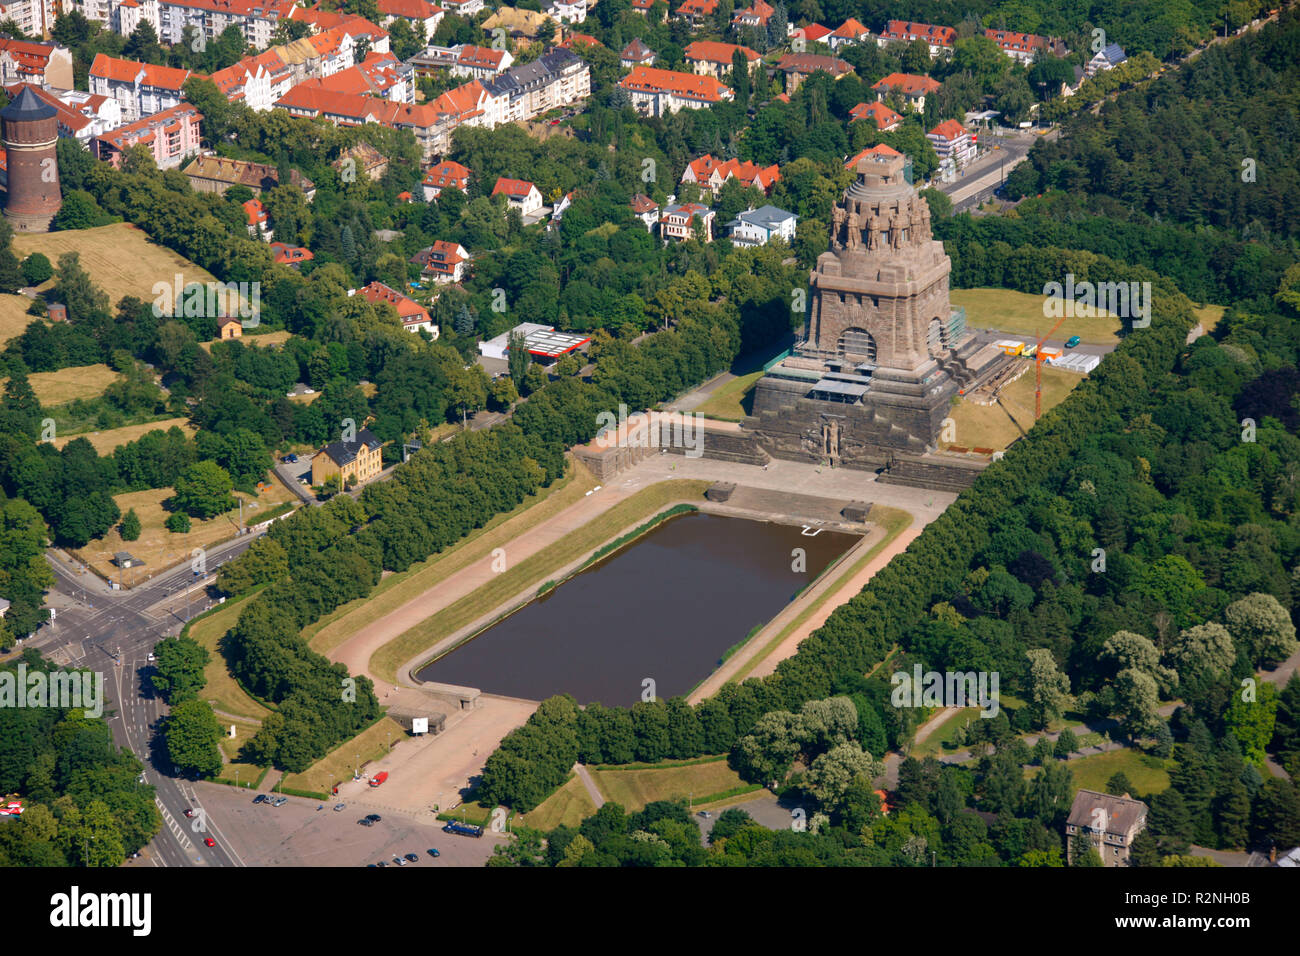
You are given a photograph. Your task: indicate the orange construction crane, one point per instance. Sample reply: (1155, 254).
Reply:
(1038, 369)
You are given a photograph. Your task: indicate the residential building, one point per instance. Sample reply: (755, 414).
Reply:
(26, 61)
(578, 41)
(561, 207)
(645, 209)
(360, 160)
(443, 261)
(953, 142)
(4, 607)
(643, 6)
(170, 135)
(229, 327)
(679, 219)
(1110, 823)
(758, 227)
(1109, 58)
(422, 16)
(708, 58)
(380, 74)
(1021, 47)
(141, 89)
(911, 88)
(848, 33)
(462, 8)
(518, 23)
(797, 66)
(556, 79)
(880, 114)
(292, 256)
(656, 92)
(481, 62)
(803, 37)
(434, 58)
(259, 221)
(697, 12)
(414, 316)
(567, 11)
(636, 53)
(210, 173)
(35, 18)
(940, 39)
(709, 174)
(344, 463)
(519, 194)
(256, 81)
(754, 17)
(80, 116)
(446, 175)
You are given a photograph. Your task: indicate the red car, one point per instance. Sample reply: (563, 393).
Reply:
(209, 842)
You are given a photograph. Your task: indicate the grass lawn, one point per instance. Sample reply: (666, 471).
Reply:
(1209, 316)
(996, 426)
(84, 381)
(106, 441)
(159, 548)
(532, 571)
(568, 806)
(396, 589)
(1022, 314)
(695, 781)
(13, 317)
(894, 521)
(1149, 775)
(339, 763)
(232, 769)
(933, 745)
(732, 402)
(120, 258)
(270, 338)
(222, 692)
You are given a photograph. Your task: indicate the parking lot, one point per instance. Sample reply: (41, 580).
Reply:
(297, 834)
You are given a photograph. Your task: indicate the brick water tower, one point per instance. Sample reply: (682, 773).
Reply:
(29, 130)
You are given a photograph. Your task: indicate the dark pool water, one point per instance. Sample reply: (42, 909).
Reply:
(666, 607)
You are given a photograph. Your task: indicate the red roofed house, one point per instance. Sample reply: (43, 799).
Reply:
(878, 150)
(45, 64)
(645, 209)
(287, 255)
(442, 261)
(709, 174)
(419, 14)
(952, 141)
(803, 37)
(1019, 46)
(481, 62)
(884, 118)
(939, 39)
(413, 315)
(708, 58)
(141, 89)
(462, 8)
(446, 175)
(642, 6)
(849, 32)
(796, 66)
(521, 195)
(259, 223)
(79, 115)
(636, 53)
(170, 136)
(678, 221)
(910, 87)
(697, 12)
(754, 16)
(577, 41)
(656, 92)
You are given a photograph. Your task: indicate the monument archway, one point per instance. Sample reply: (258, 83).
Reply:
(857, 345)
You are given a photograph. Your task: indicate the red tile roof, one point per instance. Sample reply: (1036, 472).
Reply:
(448, 175)
(751, 174)
(710, 51)
(126, 71)
(939, 36)
(650, 79)
(698, 8)
(286, 254)
(410, 311)
(908, 83)
(851, 29)
(513, 188)
(948, 129)
(883, 116)
(878, 150)
(807, 63)
(814, 32)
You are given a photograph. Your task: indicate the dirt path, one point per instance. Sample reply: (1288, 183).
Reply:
(592, 791)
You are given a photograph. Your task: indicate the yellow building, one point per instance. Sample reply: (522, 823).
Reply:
(360, 458)
(230, 328)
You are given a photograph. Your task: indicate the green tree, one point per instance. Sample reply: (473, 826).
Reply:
(192, 732)
(203, 490)
(1262, 627)
(130, 527)
(180, 662)
(178, 523)
(37, 269)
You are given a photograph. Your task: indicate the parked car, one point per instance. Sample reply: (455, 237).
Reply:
(366, 823)
(381, 863)
(209, 842)
(373, 817)
(399, 861)
(1072, 341)
(339, 807)
(433, 852)
(412, 858)
(279, 801)
(293, 459)
(706, 814)
(260, 798)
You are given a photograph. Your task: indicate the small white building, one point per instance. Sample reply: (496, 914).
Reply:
(567, 11)
(758, 227)
(521, 195)
(541, 341)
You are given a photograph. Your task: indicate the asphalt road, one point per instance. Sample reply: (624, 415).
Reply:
(114, 632)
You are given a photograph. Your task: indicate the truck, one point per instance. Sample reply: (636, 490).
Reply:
(379, 778)
(464, 829)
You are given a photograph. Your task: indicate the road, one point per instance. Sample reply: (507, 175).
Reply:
(980, 178)
(114, 632)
